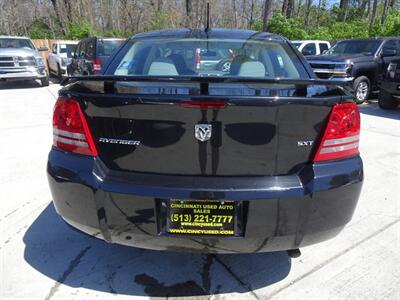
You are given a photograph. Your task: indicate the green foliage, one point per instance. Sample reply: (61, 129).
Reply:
(392, 24)
(290, 28)
(79, 30)
(39, 30)
(327, 27)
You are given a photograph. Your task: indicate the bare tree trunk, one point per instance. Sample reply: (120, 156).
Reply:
(362, 7)
(373, 15)
(285, 5)
(55, 6)
(188, 11)
(384, 12)
(308, 13)
(344, 9)
(368, 8)
(299, 4)
(319, 11)
(251, 14)
(235, 16)
(290, 8)
(266, 13)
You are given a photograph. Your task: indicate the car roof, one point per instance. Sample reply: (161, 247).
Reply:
(309, 41)
(14, 37)
(368, 39)
(210, 33)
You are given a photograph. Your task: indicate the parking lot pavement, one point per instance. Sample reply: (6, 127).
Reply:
(43, 258)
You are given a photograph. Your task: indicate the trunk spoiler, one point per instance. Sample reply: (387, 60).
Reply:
(206, 80)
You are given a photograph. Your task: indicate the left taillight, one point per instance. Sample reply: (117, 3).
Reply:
(96, 66)
(342, 133)
(70, 129)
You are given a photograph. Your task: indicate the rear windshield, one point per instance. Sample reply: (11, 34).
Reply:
(69, 49)
(367, 47)
(107, 47)
(210, 57)
(16, 43)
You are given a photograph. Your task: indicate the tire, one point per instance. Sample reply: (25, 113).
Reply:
(386, 100)
(362, 89)
(45, 81)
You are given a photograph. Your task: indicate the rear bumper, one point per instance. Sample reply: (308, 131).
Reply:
(283, 212)
(23, 73)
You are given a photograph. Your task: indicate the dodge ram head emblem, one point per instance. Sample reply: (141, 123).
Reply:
(202, 132)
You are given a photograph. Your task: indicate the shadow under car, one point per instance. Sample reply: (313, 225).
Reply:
(72, 258)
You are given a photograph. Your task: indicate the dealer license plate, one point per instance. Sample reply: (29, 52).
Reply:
(201, 217)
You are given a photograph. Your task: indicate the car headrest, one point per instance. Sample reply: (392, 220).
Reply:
(162, 68)
(251, 69)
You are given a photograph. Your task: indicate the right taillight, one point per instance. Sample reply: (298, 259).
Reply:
(70, 129)
(198, 59)
(96, 66)
(342, 133)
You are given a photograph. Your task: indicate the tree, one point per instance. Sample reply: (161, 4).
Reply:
(266, 14)
(384, 12)
(308, 12)
(373, 15)
(188, 10)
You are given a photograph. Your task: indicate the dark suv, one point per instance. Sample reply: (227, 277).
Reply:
(361, 62)
(91, 54)
(389, 96)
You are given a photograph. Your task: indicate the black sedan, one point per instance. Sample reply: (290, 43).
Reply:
(261, 158)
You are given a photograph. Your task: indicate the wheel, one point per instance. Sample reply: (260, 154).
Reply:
(386, 100)
(362, 88)
(45, 81)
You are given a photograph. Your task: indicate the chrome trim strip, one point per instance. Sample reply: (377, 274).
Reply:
(342, 140)
(70, 142)
(74, 135)
(339, 148)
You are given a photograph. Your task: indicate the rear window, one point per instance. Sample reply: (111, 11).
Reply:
(210, 57)
(107, 47)
(69, 49)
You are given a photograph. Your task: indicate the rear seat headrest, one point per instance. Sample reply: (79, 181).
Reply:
(162, 68)
(251, 69)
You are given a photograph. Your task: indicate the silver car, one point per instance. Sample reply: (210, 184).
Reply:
(20, 59)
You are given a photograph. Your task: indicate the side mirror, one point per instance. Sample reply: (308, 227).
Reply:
(388, 52)
(306, 52)
(43, 48)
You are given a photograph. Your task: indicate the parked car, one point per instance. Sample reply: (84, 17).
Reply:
(60, 56)
(263, 158)
(20, 60)
(91, 54)
(312, 47)
(389, 96)
(360, 62)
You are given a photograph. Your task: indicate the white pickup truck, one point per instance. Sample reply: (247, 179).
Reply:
(60, 56)
(309, 47)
